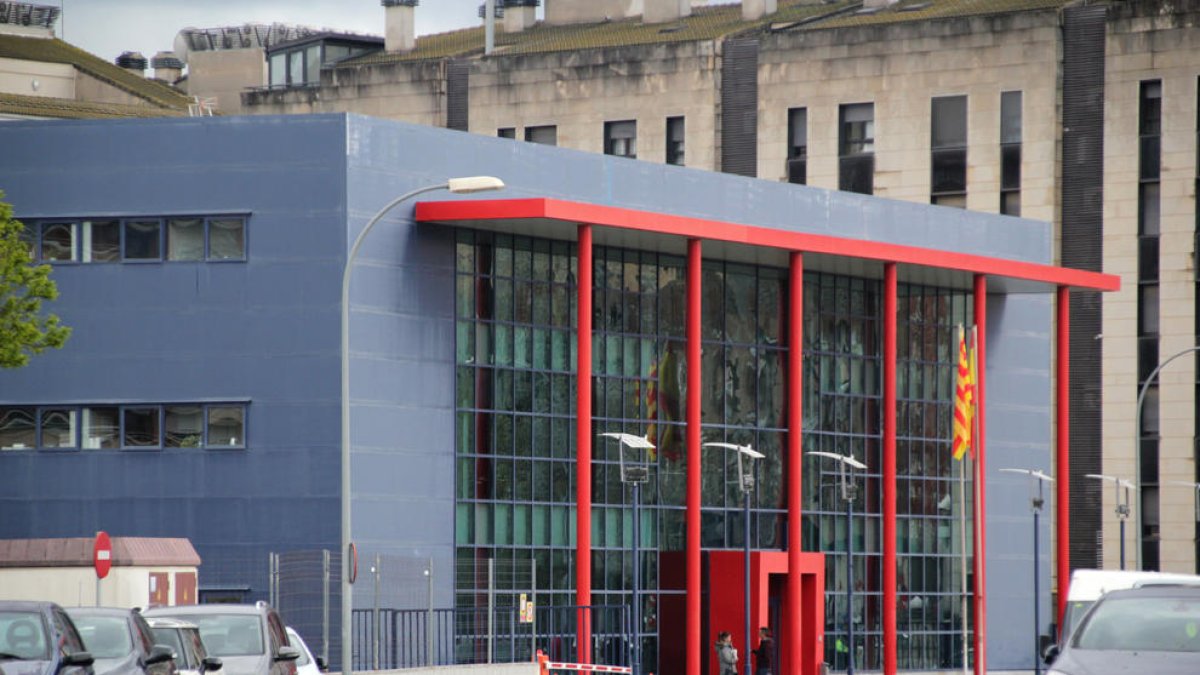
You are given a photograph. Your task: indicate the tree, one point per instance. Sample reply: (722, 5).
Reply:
(24, 331)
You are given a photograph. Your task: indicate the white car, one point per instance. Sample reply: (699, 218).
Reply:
(307, 664)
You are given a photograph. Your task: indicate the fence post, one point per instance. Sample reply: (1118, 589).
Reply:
(491, 617)
(429, 616)
(533, 583)
(375, 614)
(325, 604)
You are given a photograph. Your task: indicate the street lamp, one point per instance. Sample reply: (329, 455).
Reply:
(636, 473)
(1122, 508)
(746, 485)
(1137, 447)
(848, 494)
(456, 186)
(1036, 503)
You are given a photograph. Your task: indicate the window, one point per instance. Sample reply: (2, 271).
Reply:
(295, 68)
(948, 132)
(175, 239)
(675, 141)
(543, 135)
(1010, 153)
(58, 242)
(506, 132)
(137, 427)
(620, 139)
(797, 157)
(1149, 170)
(856, 148)
(278, 63)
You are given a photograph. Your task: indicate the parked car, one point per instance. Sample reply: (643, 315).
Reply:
(307, 664)
(121, 642)
(183, 637)
(1087, 586)
(249, 639)
(38, 638)
(1152, 629)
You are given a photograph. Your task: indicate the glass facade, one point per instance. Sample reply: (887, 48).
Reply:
(515, 389)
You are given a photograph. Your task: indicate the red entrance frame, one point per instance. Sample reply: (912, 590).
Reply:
(554, 217)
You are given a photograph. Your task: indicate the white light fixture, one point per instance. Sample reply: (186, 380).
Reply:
(470, 184)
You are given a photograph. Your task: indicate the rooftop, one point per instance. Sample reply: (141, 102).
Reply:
(77, 552)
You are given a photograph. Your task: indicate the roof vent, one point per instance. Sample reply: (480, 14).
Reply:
(166, 60)
(400, 30)
(132, 61)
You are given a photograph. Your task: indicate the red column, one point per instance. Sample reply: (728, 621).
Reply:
(1062, 449)
(693, 456)
(795, 455)
(583, 446)
(981, 475)
(889, 469)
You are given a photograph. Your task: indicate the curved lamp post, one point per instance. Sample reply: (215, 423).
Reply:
(456, 186)
(1036, 502)
(636, 473)
(846, 466)
(1122, 507)
(746, 485)
(1137, 447)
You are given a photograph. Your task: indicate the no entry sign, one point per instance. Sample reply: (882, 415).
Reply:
(102, 554)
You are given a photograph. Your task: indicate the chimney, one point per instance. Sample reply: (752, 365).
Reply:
(400, 32)
(665, 11)
(518, 14)
(134, 62)
(753, 10)
(167, 67)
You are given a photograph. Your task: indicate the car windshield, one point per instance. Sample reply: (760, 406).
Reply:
(106, 637)
(22, 636)
(1143, 624)
(230, 634)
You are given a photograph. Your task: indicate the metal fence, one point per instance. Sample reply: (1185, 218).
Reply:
(396, 623)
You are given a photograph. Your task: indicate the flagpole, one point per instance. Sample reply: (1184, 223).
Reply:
(977, 516)
(962, 521)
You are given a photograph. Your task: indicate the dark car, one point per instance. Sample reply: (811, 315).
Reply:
(38, 638)
(1153, 629)
(121, 642)
(249, 639)
(183, 637)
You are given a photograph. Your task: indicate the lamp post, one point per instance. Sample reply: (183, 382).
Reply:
(846, 466)
(746, 485)
(1137, 447)
(636, 473)
(1122, 508)
(1036, 503)
(456, 186)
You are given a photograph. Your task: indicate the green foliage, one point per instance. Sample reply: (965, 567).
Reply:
(23, 287)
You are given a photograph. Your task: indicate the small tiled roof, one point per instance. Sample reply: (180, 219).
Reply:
(705, 23)
(77, 552)
(53, 50)
(65, 108)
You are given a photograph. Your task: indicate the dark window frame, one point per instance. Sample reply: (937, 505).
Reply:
(856, 148)
(676, 148)
(1012, 134)
(35, 227)
(948, 156)
(628, 131)
(119, 445)
(797, 148)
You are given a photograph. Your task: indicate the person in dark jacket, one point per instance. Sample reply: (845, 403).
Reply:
(726, 655)
(765, 654)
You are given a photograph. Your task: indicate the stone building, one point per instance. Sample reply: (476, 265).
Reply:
(1083, 114)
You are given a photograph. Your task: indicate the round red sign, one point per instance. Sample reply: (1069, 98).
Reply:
(102, 554)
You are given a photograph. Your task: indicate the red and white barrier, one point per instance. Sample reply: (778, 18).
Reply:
(547, 666)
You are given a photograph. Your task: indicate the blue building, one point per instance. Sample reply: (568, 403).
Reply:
(199, 263)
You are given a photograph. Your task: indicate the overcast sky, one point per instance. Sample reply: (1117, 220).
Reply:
(108, 27)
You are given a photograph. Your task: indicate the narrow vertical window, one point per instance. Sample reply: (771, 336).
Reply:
(620, 139)
(797, 157)
(675, 138)
(1010, 153)
(856, 148)
(948, 141)
(1149, 167)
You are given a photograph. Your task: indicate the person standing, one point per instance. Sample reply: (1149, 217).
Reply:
(764, 656)
(727, 656)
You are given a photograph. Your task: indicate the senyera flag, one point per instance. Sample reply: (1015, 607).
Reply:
(964, 400)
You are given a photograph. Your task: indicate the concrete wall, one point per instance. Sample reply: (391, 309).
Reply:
(900, 68)
(77, 586)
(53, 80)
(223, 74)
(1154, 46)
